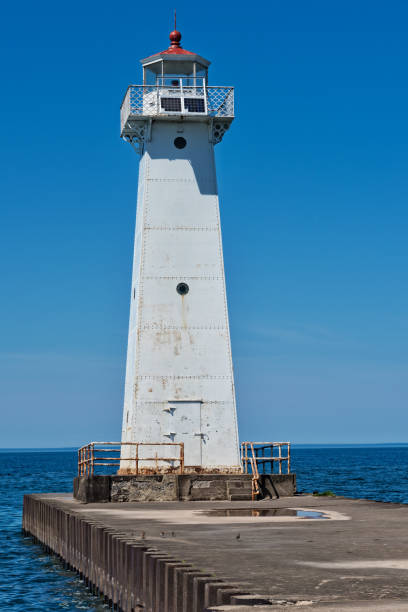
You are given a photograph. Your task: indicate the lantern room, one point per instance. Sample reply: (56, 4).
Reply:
(175, 67)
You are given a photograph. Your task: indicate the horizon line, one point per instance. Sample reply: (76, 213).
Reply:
(333, 444)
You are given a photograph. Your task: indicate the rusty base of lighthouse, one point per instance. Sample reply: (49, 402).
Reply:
(180, 487)
(187, 469)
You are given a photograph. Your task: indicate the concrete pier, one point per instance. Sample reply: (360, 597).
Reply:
(219, 556)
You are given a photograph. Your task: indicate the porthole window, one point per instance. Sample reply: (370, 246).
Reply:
(183, 288)
(180, 142)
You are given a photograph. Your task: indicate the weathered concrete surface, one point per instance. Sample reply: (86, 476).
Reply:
(274, 486)
(368, 606)
(356, 560)
(173, 487)
(141, 488)
(92, 488)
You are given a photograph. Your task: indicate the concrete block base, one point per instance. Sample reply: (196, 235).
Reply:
(180, 487)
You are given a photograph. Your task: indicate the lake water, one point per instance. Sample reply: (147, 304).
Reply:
(32, 580)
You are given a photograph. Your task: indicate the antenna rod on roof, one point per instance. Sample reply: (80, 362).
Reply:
(175, 21)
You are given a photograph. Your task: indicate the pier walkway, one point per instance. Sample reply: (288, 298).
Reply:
(196, 556)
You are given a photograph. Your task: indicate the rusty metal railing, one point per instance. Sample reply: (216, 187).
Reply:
(261, 458)
(266, 455)
(93, 455)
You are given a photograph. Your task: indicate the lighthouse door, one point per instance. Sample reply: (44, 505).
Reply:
(184, 422)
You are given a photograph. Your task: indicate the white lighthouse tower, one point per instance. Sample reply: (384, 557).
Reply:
(179, 376)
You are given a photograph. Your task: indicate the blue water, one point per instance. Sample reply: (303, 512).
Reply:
(369, 472)
(29, 578)
(32, 580)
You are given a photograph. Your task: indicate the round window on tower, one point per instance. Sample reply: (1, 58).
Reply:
(183, 288)
(180, 142)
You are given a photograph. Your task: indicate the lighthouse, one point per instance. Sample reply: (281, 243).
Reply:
(179, 375)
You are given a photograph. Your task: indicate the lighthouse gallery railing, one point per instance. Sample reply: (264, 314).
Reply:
(145, 100)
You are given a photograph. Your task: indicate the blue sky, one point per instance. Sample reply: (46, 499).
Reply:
(313, 190)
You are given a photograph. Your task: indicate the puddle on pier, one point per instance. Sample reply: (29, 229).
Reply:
(257, 512)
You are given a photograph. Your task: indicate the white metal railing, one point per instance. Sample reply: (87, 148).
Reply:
(176, 81)
(152, 100)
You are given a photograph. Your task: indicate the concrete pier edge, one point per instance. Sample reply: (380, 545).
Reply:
(127, 572)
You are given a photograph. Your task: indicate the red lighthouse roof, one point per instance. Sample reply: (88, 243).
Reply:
(175, 49)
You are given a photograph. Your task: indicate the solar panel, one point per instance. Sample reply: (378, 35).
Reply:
(171, 104)
(194, 105)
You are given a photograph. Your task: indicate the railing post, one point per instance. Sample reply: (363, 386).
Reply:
(137, 458)
(280, 459)
(92, 459)
(288, 457)
(272, 459)
(205, 98)
(247, 456)
(181, 457)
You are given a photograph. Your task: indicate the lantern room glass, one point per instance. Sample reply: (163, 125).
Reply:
(175, 74)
